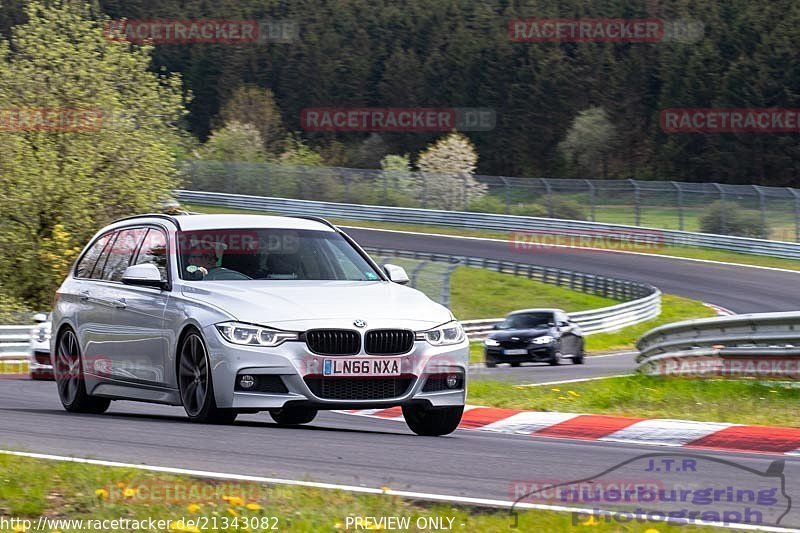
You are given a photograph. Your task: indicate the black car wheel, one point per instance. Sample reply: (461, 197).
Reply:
(555, 359)
(196, 385)
(69, 378)
(578, 357)
(432, 421)
(291, 416)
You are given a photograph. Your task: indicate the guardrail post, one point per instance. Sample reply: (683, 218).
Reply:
(637, 207)
(680, 204)
(507, 194)
(446, 284)
(796, 213)
(723, 225)
(591, 200)
(547, 196)
(762, 204)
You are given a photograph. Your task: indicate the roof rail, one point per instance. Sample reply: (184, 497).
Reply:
(171, 218)
(316, 219)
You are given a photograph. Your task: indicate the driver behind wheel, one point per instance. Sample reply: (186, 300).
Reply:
(200, 261)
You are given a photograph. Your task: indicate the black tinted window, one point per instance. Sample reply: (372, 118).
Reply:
(527, 321)
(154, 251)
(87, 262)
(122, 251)
(97, 271)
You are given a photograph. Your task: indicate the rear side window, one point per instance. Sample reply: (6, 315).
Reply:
(87, 262)
(154, 251)
(122, 251)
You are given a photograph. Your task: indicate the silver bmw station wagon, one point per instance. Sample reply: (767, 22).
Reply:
(229, 314)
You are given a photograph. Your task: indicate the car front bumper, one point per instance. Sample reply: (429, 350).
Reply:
(534, 354)
(298, 370)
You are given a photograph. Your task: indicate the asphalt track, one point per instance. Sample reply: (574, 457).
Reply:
(738, 288)
(363, 451)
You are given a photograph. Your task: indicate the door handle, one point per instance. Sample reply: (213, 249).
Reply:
(120, 304)
(83, 296)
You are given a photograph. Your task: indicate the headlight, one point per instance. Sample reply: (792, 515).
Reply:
(444, 335)
(490, 342)
(544, 339)
(250, 335)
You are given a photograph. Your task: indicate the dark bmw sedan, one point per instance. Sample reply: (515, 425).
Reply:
(534, 335)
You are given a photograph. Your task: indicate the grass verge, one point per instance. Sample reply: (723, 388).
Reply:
(732, 401)
(478, 293)
(674, 251)
(673, 309)
(31, 488)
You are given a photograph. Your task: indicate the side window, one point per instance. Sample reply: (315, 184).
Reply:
(87, 262)
(154, 251)
(97, 270)
(122, 252)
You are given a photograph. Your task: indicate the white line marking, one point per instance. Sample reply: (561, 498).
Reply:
(484, 502)
(665, 432)
(696, 260)
(574, 380)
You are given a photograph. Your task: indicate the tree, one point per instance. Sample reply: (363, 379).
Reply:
(236, 142)
(114, 156)
(589, 142)
(447, 173)
(253, 105)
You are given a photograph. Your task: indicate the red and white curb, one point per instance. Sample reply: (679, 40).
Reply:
(605, 428)
(721, 311)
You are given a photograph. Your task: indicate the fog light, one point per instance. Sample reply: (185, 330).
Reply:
(452, 381)
(247, 381)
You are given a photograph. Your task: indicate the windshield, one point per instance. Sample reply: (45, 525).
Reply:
(527, 321)
(270, 254)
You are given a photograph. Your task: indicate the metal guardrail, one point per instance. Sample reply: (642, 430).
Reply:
(643, 301)
(490, 221)
(765, 345)
(14, 342)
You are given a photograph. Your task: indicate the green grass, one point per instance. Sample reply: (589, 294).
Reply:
(737, 402)
(673, 309)
(30, 488)
(479, 293)
(674, 251)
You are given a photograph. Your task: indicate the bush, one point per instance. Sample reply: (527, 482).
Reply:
(738, 221)
(529, 210)
(487, 204)
(567, 208)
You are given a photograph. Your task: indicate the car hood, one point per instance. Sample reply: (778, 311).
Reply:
(299, 305)
(521, 334)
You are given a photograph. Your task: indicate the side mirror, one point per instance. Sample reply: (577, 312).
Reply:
(39, 318)
(396, 273)
(496, 326)
(551, 324)
(144, 275)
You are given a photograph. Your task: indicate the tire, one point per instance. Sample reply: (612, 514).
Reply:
(577, 359)
(292, 416)
(196, 385)
(69, 378)
(490, 364)
(432, 421)
(515, 364)
(555, 359)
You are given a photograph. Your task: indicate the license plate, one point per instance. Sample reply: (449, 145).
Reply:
(361, 367)
(518, 351)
